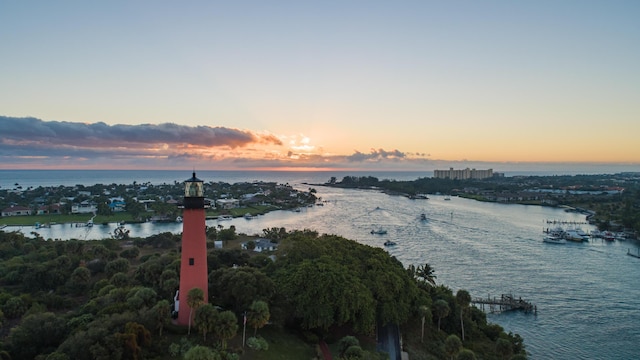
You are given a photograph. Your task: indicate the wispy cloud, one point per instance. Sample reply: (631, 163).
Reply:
(376, 155)
(34, 143)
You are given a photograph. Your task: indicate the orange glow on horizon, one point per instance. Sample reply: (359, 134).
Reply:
(301, 169)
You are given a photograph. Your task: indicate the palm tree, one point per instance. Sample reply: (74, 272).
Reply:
(426, 273)
(463, 299)
(452, 345)
(205, 319)
(195, 298)
(161, 312)
(441, 308)
(424, 311)
(466, 354)
(226, 327)
(258, 315)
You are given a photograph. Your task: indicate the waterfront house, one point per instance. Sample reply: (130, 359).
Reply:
(16, 210)
(49, 209)
(84, 207)
(227, 203)
(117, 204)
(261, 245)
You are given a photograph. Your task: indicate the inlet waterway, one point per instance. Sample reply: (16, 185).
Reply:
(587, 294)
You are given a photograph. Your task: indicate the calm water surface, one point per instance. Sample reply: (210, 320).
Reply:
(587, 294)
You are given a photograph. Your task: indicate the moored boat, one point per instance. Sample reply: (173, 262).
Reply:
(621, 236)
(551, 239)
(389, 243)
(573, 235)
(608, 236)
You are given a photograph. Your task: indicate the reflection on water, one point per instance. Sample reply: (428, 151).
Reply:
(586, 293)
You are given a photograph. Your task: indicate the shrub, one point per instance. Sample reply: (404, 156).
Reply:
(130, 253)
(257, 343)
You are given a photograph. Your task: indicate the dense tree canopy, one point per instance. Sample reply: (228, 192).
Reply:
(81, 300)
(347, 282)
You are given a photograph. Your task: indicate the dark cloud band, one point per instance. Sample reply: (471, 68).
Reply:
(99, 135)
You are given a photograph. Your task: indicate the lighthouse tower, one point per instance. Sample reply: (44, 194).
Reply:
(193, 267)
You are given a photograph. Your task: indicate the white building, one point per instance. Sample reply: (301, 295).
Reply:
(462, 174)
(227, 203)
(84, 207)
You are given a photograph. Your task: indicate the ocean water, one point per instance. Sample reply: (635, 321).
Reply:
(587, 294)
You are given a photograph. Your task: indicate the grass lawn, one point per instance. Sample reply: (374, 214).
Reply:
(283, 345)
(30, 220)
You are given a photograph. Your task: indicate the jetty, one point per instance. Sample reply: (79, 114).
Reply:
(565, 222)
(506, 302)
(636, 255)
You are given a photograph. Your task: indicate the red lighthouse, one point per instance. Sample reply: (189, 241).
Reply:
(193, 266)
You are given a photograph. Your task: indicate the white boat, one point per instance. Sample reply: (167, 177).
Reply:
(225, 217)
(582, 233)
(179, 219)
(551, 239)
(389, 243)
(557, 231)
(379, 231)
(620, 236)
(41, 226)
(573, 235)
(248, 216)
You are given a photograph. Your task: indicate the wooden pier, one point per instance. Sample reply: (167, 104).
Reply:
(565, 222)
(506, 302)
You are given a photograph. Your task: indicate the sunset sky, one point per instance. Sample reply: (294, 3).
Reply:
(385, 85)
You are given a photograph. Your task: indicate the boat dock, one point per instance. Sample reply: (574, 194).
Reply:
(636, 255)
(506, 302)
(564, 222)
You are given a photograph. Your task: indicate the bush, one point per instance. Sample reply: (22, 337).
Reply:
(310, 337)
(257, 343)
(130, 253)
(116, 266)
(14, 308)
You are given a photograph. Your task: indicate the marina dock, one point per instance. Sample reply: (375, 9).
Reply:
(636, 255)
(506, 302)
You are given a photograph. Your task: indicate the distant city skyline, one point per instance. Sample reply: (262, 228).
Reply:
(319, 85)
